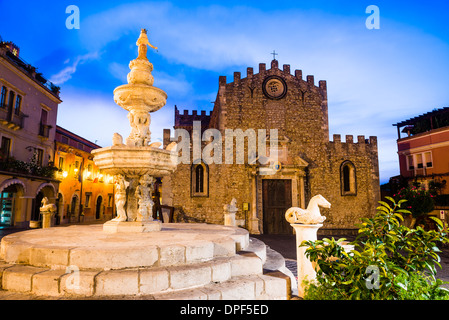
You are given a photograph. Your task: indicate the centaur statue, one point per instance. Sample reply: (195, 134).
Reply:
(311, 215)
(47, 207)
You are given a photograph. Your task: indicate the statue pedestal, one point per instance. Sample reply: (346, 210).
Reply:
(306, 270)
(46, 219)
(229, 219)
(132, 226)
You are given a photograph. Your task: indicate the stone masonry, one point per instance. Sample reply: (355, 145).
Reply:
(298, 109)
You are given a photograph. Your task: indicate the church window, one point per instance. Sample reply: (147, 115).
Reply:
(348, 179)
(199, 180)
(199, 177)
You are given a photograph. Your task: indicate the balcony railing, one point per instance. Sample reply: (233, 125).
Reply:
(12, 120)
(44, 130)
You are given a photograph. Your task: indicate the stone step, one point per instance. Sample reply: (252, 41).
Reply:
(88, 247)
(272, 260)
(254, 287)
(258, 247)
(130, 281)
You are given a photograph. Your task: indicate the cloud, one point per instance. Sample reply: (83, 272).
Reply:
(95, 126)
(66, 74)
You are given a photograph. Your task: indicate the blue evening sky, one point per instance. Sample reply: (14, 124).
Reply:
(375, 77)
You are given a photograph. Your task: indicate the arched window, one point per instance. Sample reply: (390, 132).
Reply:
(348, 183)
(200, 180)
(199, 177)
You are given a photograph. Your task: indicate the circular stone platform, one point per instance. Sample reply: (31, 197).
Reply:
(88, 247)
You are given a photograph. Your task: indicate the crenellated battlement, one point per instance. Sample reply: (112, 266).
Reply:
(372, 140)
(186, 119)
(237, 77)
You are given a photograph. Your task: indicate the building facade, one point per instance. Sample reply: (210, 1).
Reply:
(28, 111)
(307, 163)
(424, 151)
(85, 194)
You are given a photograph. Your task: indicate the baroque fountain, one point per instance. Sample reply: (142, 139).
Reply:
(136, 162)
(133, 256)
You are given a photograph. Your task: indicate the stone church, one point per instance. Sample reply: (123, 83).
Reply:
(307, 164)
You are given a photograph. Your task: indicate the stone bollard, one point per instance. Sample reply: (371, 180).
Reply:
(306, 270)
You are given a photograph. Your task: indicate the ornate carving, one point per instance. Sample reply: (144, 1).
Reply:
(120, 199)
(144, 195)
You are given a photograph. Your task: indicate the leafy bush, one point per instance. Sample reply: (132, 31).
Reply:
(18, 166)
(419, 202)
(390, 261)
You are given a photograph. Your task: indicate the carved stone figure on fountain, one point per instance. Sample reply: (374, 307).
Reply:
(144, 194)
(120, 199)
(142, 43)
(140, 129)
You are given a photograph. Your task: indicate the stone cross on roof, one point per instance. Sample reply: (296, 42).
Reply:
(274, 54)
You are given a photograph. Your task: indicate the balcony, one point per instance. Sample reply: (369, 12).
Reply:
(44, 130)
(11, 120)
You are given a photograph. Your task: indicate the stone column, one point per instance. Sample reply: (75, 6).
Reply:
(306, 271)
(253, 223)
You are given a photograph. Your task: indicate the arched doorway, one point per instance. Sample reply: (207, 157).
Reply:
(35, 213)
(59, 208)
(44, 190)
(98, 207)
(74, 208)
(11, 195)
(8, 203)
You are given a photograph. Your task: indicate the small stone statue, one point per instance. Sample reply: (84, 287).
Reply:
(117, 139)
(142, 43)
(143, 194)
(46, 206)
(311, 215)
(47, 210)
(120, 199)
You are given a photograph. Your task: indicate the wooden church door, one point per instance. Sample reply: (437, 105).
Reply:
(277, 198)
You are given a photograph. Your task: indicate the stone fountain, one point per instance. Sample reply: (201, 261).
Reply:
(137, 162)
(132, 255)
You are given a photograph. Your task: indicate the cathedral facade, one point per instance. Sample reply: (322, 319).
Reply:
(292, 115)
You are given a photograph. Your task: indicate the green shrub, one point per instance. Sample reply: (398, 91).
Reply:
(419, 202)
(390, 261)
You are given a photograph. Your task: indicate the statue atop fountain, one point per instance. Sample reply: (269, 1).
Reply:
(136, 162)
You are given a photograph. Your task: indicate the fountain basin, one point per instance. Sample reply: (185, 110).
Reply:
(88, 247)
(139, 97)
(134, 161)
